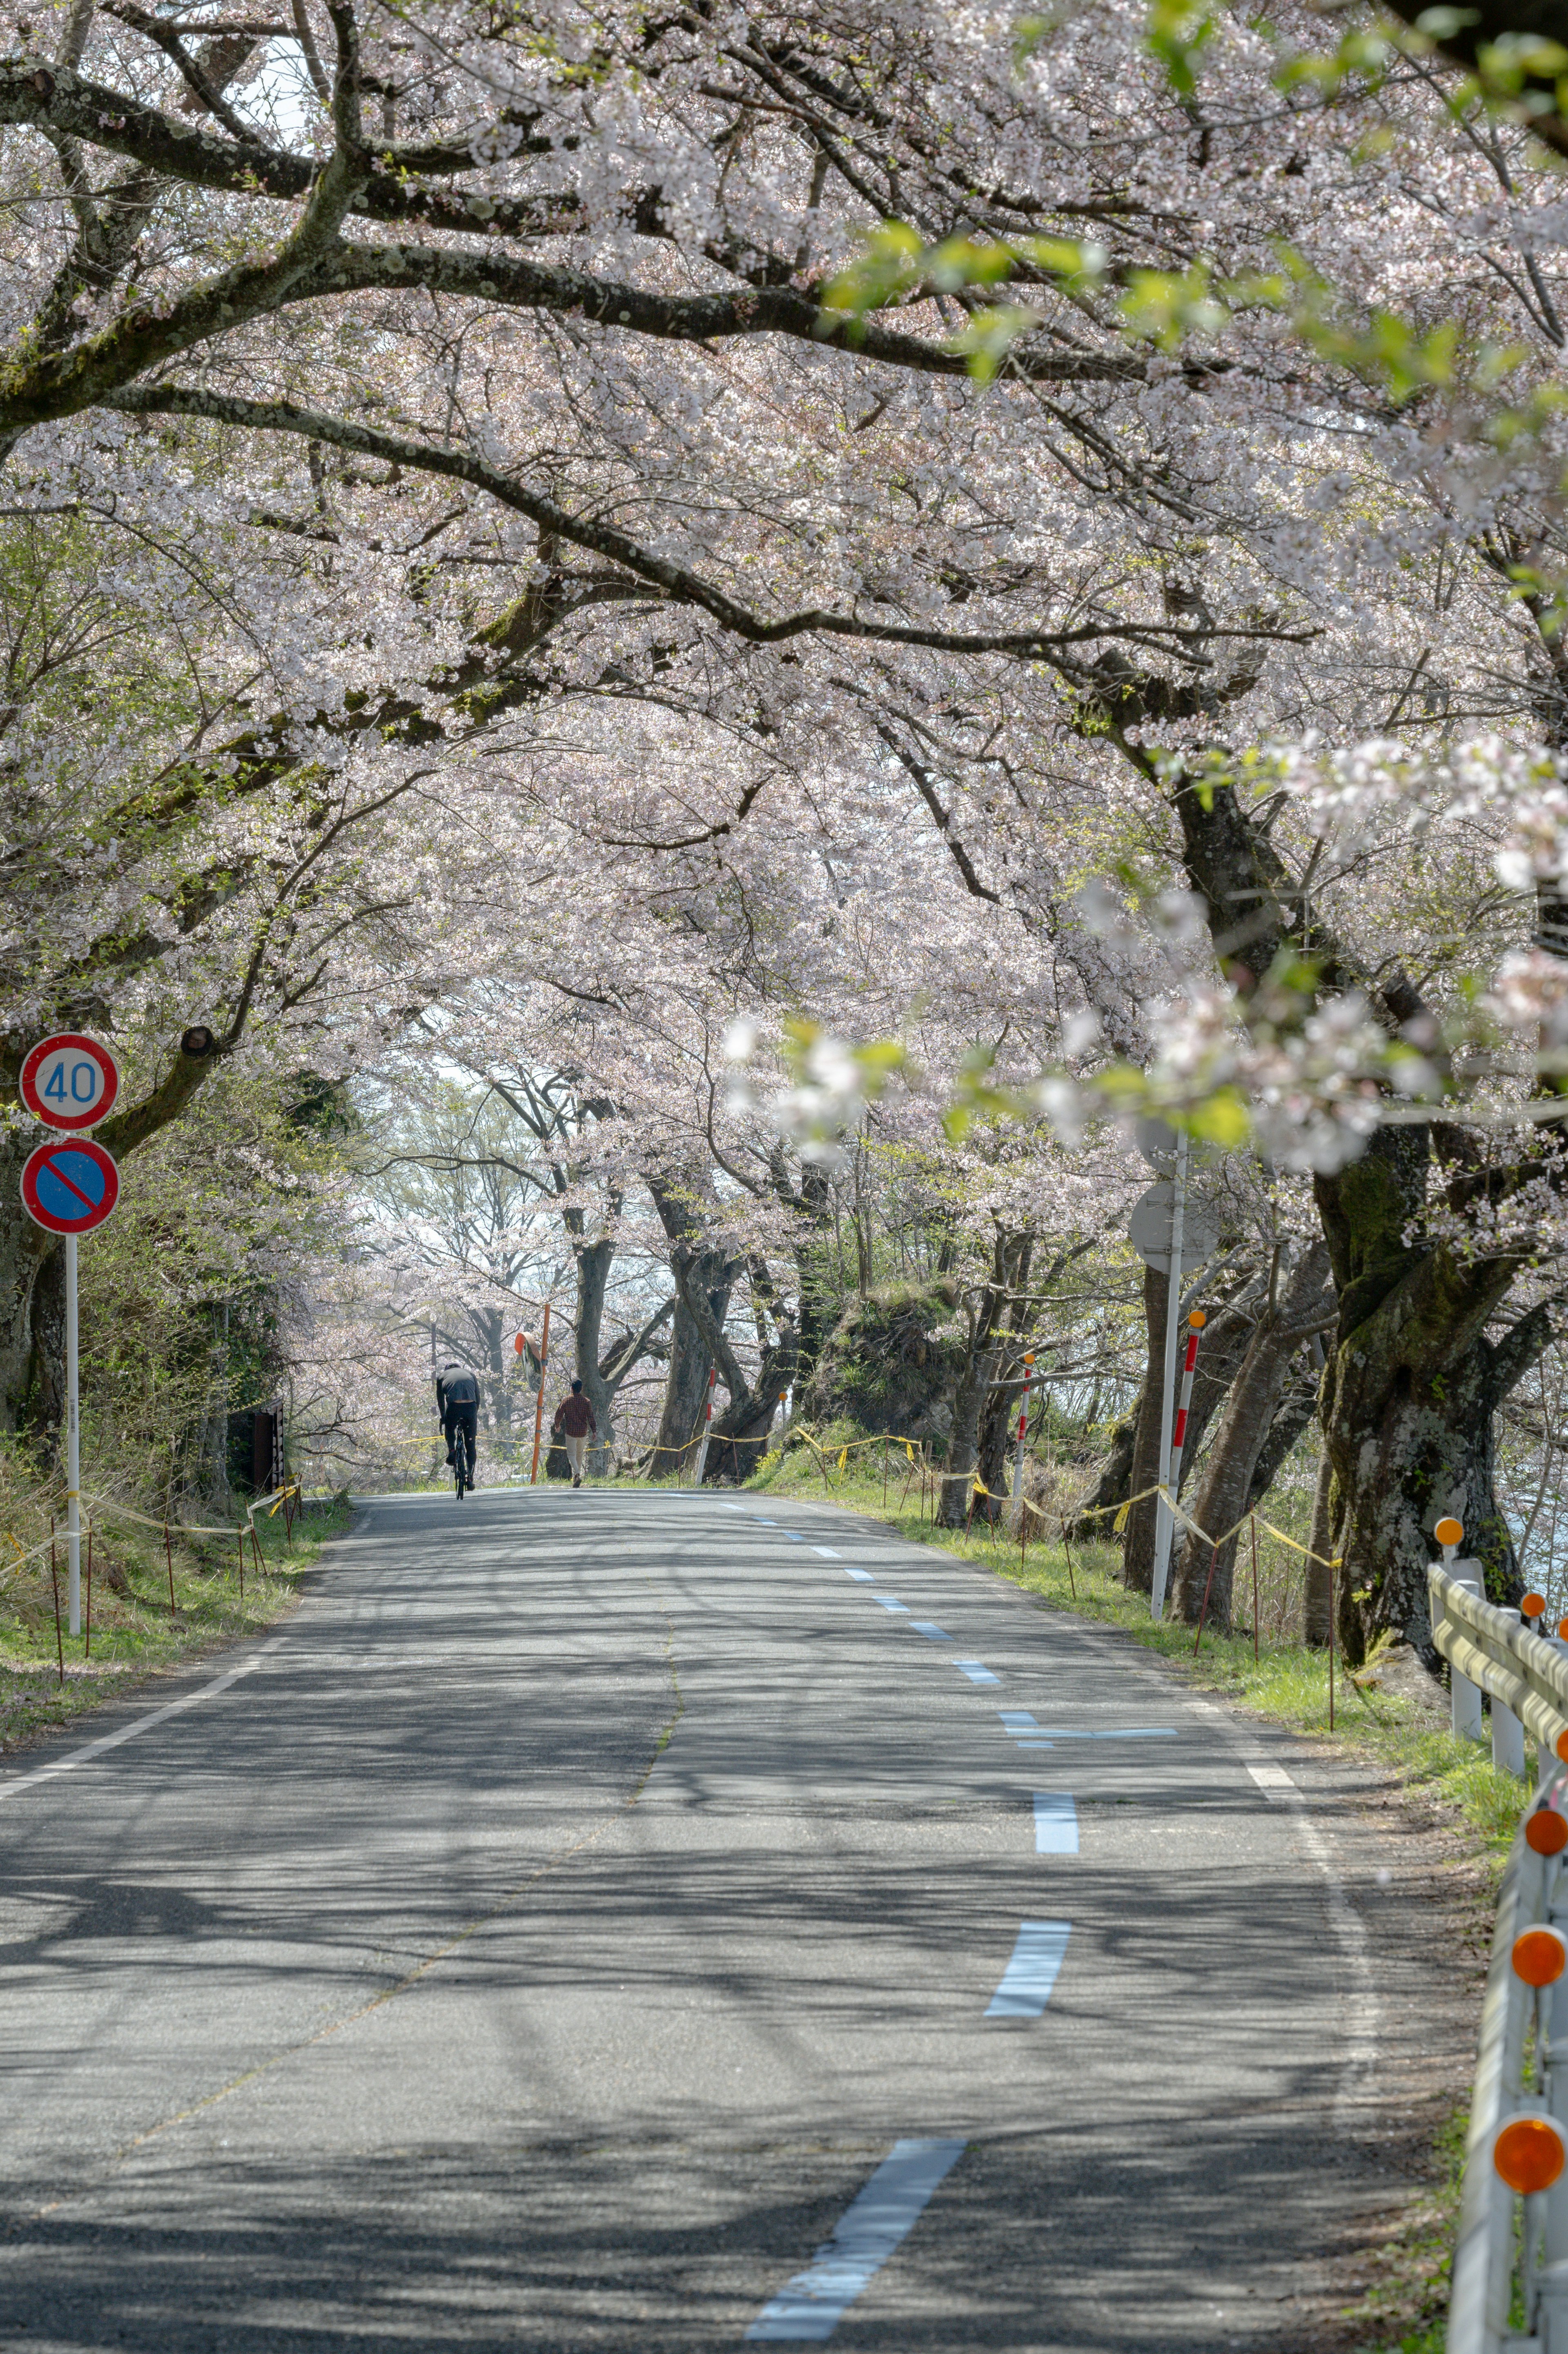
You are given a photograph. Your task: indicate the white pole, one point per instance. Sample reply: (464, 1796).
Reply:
(707, 1418)
(73, 1444)
(1164, 1526)
(1022, 1434)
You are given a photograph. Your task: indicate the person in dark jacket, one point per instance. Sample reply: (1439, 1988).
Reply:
(573, 1421)
(457, 1402)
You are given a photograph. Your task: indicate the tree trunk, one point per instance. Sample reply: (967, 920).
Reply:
(1409, 1394)
(1095, 1516)
(973, 1390)
(1412, 1383)
(1205, 1578)
(593, 1261)
(691, 1362)
(1137, 1538)
(999, 1407)
(1316, 1600)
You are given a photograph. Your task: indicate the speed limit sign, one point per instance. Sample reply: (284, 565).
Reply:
(69, 1081)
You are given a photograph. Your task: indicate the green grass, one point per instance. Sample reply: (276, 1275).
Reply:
(134, 1634)
(1286, 1681)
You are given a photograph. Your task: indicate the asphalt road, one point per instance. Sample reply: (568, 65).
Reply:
(610, 1920)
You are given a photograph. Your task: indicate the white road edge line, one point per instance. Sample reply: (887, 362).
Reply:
(128, 1732)
(1349, 1930)
(809, 2309)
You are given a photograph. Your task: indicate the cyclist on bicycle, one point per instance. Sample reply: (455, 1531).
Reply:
(457, 1402)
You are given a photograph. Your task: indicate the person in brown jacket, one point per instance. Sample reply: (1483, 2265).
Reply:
(574, 1420)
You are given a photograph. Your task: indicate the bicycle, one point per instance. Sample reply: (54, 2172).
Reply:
(463, 1450)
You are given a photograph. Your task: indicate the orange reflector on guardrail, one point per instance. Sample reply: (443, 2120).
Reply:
(1533, 1606)
(1539, 1954)
(1449, 1531)
(1528, 2153)
(1546, 1831)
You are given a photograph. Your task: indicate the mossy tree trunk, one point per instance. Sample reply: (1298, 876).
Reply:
(1413, 1379)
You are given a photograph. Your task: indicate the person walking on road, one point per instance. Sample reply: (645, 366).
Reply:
(574, 1420)
(457, 1402)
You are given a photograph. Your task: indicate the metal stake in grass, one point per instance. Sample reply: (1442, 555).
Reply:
(169, 1553)
(1072, 1582)
(86, 1646)
(1333, 1614)
(1255, 1589)
(240, 1533)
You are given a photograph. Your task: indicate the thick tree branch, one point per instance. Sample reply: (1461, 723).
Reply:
(682, 586)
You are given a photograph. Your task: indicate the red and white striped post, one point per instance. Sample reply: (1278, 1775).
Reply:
(1195, 1323)
(708, 1423)
(1023, 1430)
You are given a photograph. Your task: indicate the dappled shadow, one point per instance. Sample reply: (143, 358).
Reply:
(1036, 2243)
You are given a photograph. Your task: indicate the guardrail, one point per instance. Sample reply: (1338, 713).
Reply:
(1509, 2289)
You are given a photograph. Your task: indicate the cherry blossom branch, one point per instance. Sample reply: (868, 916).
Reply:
(680, 584)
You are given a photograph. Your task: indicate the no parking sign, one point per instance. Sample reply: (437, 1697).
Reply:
(69, 1187)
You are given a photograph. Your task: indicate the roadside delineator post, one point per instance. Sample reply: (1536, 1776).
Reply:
(1464, 1698)
(86, 1645)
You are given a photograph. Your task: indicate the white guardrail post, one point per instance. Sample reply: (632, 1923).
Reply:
(1511, 2256)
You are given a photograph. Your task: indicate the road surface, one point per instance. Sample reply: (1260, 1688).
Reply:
(611, 1920)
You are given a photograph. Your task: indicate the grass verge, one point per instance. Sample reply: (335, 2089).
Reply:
(135, 1634)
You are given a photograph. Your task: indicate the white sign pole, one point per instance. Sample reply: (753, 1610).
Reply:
(73, 1443)
(1164, 1524)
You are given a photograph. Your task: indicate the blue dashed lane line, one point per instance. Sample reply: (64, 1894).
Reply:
(827, 1553)
(1027, 1981)
(1055, 1823)
(891, 1602)
(976, 1672)
(861, 1576)
(809, 2309)
(929, 1627)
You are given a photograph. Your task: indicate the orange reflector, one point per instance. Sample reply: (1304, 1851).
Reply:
(1540, 1955)
(1534, 1605)
(1545, 1832)
(1197, 1319)
(1449, 1531)
(1529, 2153)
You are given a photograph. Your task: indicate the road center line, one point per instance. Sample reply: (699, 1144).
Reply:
(1055, 1823)
(809, 2309)
(1027, 1981)
(827, 1553)
(891, 1602)
(127, 1732)
(861, 1576)
(929, 1627)
(976, 1672)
